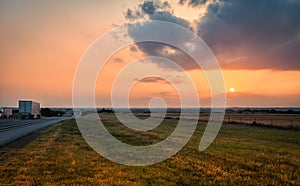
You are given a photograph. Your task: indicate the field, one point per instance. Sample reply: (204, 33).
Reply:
(240, 155)
(288, 121)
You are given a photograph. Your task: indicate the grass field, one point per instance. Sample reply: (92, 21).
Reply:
(287, 121)
(240, 155)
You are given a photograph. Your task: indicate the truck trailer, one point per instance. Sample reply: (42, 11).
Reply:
(29, 110)
(6, 112)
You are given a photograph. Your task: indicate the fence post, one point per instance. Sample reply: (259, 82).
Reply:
(271, 122)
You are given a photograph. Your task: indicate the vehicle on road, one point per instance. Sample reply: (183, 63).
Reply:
(29, 110)
(5, 112)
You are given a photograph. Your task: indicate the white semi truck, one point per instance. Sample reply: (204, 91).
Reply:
(29, 110)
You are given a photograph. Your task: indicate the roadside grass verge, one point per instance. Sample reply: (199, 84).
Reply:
(240, 155)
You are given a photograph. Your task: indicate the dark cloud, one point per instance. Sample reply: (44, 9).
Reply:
(175, 79)
(129, 15)
(157, 12)
(162, 49)
(133, 49)
(254, 34)
(133, 15)
(152, 80)
(149, 7)
(118, 60)
(168, 52)
(196, 2)
(166, 5)
(192, 3)
(167, 16)
(181, 2)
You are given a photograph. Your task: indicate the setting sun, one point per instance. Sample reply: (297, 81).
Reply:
(232, 89)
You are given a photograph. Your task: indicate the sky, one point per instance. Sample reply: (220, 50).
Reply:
(256, 43)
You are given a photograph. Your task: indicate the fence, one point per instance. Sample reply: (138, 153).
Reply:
(287, 121)
(268, 120)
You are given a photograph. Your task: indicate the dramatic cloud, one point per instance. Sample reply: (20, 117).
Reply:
(156, 11)
(254, 34)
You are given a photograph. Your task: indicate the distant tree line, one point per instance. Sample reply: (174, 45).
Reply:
(267, 111)
(47, 112)
(103, 110)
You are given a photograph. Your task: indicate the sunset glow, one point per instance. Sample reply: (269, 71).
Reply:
(40, 52)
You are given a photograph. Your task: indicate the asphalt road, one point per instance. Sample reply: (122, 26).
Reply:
(11, 130)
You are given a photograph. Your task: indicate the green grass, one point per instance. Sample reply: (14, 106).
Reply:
(239, 155)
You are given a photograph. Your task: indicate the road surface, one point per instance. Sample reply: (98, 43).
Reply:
(11, 130)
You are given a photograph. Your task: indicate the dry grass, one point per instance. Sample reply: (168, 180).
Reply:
(240, 155)
(277, 120)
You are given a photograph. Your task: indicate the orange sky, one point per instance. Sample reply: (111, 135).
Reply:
(42, 43)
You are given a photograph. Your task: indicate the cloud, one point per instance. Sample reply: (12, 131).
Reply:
(266, 33)
(158, 11)
(146, 8)
(155, 10)
(133, 15)
(196, 2)
(177, 79)
(192, 3)
(167, 16)
(242, 34)
(181, 2)
(133, 49)
(118, 60)
(149, 7)
(152, 80)
(168, 52)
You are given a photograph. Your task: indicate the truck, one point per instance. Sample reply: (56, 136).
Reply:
(6, 112)
(29, 110)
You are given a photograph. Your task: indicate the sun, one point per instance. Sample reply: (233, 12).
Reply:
(232, 89)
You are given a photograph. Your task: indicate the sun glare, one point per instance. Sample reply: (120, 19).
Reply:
(232, 89)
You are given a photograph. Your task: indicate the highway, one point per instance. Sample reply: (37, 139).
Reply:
(11, 130)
